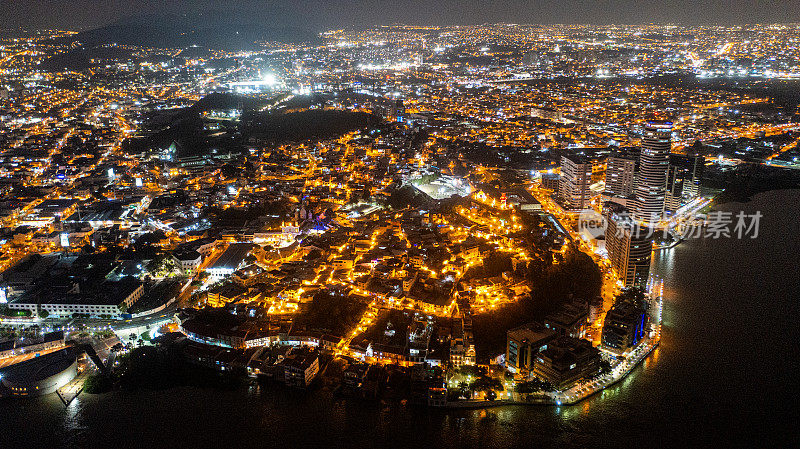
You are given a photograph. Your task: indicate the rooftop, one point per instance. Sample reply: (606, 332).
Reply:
(39, 368)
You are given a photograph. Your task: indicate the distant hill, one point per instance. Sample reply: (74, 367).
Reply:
(304, 125)
(195, 52)
(222, 31)
(410, 196)
(186, 127)
(219, 100)
(80, 58)
(75, 60)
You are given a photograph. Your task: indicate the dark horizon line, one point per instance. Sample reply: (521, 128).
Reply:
(422, 25)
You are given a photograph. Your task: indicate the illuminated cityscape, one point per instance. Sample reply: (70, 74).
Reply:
(466, 218)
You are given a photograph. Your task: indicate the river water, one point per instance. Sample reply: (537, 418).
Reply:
(725, 374)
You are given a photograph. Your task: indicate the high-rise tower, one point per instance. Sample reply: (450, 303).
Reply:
(629, 246)
(621, 172)
(683, 180)
(576, 177)
(653, 166)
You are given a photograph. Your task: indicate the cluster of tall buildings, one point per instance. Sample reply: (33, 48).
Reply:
(683, 180)
(642, 186)
(650, 181)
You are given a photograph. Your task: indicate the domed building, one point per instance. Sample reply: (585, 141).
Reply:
(40, 375)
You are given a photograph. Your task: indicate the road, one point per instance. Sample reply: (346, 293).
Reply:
(785, 148)
(8, 361)
(74, 387)
(610, 288)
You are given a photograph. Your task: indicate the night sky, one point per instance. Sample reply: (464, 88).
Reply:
(323, 14)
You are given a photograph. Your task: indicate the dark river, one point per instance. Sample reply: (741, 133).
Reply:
(725, 374)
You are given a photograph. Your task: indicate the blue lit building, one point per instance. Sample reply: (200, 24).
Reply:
(624, 327)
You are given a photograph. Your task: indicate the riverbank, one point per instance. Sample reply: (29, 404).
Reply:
(576, 394)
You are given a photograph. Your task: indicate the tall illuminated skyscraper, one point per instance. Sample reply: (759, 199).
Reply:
(576, 177)
(621, 172)
(629, 246)
(653, 166)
